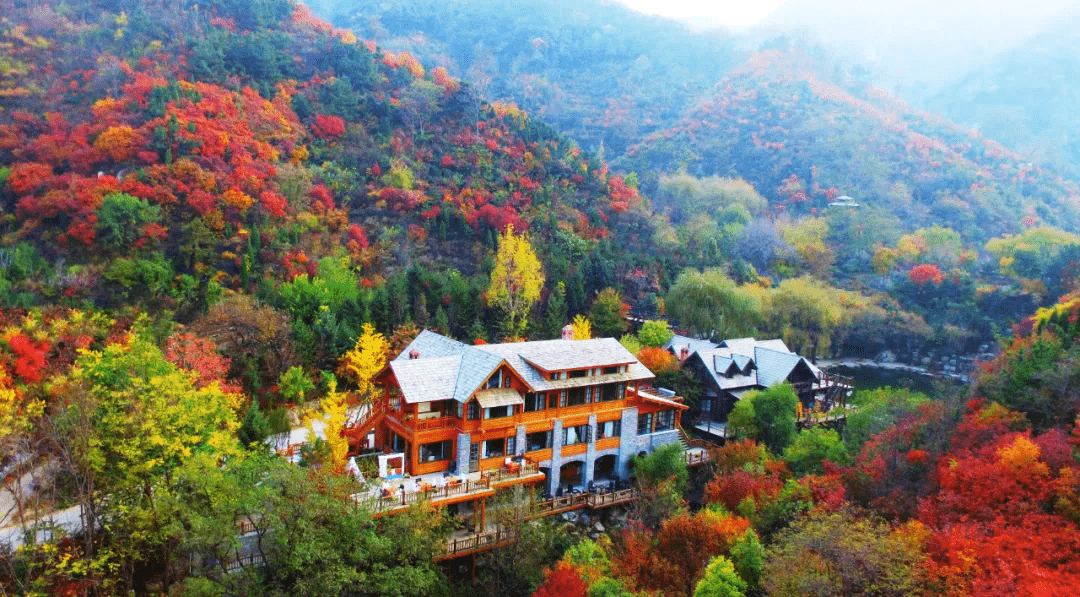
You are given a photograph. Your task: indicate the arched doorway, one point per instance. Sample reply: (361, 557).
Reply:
(605, 468)
(571, 474)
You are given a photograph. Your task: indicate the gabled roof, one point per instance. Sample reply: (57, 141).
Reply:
(775, 366)
(741, 363)
(533, 360)
(427, 380)
(677, 343)
(446, 369)
(460, 368)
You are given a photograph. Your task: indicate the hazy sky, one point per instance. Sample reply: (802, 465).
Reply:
(729, 13)
(905, 42)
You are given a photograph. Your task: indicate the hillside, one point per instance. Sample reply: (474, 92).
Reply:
(775, 117)
(596, 71)
(155, 158)
(791, 109)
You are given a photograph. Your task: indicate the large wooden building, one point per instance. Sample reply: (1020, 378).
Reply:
(577, 409)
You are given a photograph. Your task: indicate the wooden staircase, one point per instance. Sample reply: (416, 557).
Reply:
(355, 432)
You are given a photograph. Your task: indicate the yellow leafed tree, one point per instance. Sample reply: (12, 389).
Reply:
(582, 327)
(366, 359)
(516, 281)
(334, 416)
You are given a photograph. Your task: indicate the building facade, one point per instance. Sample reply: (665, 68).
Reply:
(731, 369)
(578, 409)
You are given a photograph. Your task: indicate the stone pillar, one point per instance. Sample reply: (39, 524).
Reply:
(519, 441)
(628, 442)
(464, 440)
(590, 452)
(556, 457)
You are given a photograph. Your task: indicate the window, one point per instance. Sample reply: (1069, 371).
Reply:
(506, 381)
(612, 391)
(553, 400)
(495, 448)
(575, 435)
(608, 429)
(576, 397)
(534, 402)
(397, 443)
(540, 440)
(495, 380)
(474, 410)
(608, 370)
(644, 424)
(460, 410)
(665, 420)
(498, 412)
(579, 373)
(437, 451)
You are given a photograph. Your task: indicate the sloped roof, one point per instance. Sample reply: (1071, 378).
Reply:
(447, 369)
(677, 343)
(498, 397)
(743, 362)
(530, 360)
(463, 377)
(744, 346)
(774, 344)
(775, 366)
(719, 361)
(760, 363)
(427, 380)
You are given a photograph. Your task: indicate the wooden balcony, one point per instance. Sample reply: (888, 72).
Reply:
(472, 487)
(498, 537)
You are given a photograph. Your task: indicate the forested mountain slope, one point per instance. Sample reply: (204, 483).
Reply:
(153, 156)
(776, 117)
(596, 71)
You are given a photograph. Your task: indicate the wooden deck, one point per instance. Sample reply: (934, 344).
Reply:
(484, 541)
(475, 487)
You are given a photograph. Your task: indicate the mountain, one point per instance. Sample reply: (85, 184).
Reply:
(793, 109)
(596, 71)
(1026, 97)
(777, 117)
(159, 158)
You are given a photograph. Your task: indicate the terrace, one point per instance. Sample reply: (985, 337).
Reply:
(388, 496)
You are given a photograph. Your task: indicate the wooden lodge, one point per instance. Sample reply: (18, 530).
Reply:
(576, 411)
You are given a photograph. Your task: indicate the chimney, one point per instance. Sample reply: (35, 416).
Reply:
(568, 332)
(684, 352)
(414, 354)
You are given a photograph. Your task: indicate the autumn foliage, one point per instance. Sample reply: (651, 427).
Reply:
(921, 275)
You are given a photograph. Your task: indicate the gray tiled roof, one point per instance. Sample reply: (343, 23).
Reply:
(740, 345)
(559, 355)
(635, 374)
(473, 368)
(677, 342)
(743, 362)
(774, 344)
(761, 363)
(447, 369)
(427, 379)
(775, 366)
